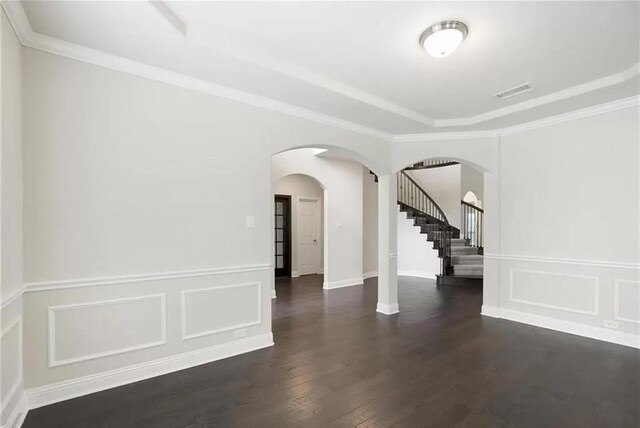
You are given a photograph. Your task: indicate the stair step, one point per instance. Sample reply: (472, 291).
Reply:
(459, 242)
(474, 259)
(468, 270)
(463, 251)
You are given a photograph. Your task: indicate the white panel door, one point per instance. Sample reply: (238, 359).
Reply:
(308, 237)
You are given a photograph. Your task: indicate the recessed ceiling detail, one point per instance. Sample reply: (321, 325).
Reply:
(350, 72)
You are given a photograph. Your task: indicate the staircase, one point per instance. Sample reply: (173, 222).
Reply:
(460, 251)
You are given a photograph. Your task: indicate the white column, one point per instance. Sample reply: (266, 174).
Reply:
(387, 245)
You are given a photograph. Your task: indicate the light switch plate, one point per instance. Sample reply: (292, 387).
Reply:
(251, 221)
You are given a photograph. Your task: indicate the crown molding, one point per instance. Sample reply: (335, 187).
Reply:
(584, 88)
(29, 38)
(574, 115)
(447, 136)
(595, 110)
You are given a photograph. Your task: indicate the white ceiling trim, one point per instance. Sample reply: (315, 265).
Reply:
(595, 110)
(331, 85)
(548, 121)
(30, 38)
(584, 88)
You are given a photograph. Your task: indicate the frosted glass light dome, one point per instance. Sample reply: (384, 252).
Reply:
(442, 39)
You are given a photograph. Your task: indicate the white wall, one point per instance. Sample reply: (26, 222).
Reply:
(416, 256)
(136, 193)
(13, 406)
(369, 224)
(301, 186)
(443, 185)
(342, 181)
(569, 229)
(561, 221)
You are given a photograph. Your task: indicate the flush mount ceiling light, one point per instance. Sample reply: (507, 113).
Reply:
(443, 38)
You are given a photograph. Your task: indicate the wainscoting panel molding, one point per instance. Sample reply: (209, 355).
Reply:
(214, 310)
(15, 328)
(628, 292)
(83, 326)
(555, 290)
(53, 393)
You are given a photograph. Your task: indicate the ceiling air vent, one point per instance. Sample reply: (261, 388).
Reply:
(526, 87)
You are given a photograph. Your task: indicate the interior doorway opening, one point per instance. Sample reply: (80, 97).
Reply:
(442, 198)
(327, 213)
(298, 226)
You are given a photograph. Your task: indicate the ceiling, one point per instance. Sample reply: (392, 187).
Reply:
(361, 61)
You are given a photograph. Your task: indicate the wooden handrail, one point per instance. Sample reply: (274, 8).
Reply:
(419, 189)
(472, 206)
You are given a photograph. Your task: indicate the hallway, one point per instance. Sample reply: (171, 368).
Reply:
(338, 363)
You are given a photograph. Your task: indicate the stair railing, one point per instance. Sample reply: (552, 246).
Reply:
(432, 163)
(471, 223)
(411, 194)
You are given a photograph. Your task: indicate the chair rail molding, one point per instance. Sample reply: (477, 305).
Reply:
(31, 287)
(12, 297)
(539, 259)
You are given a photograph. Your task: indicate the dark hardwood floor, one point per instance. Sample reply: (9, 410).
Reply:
(337, 363)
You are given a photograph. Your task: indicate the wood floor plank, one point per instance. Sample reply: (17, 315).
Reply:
(338, 363)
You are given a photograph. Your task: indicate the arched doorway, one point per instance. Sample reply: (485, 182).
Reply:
(442, 197)
(337, 199)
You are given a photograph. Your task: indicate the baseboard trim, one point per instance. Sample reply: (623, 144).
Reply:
(597, 333)
(388, 309)
(371, 274)
(19, 413)
(54, 393)
(344, 283)
(417, 274)
(295, 274)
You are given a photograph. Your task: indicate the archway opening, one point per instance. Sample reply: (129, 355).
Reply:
(441, 199)
(324, 191)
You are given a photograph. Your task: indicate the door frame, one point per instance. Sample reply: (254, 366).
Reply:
(319, 233)
(286, 270)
